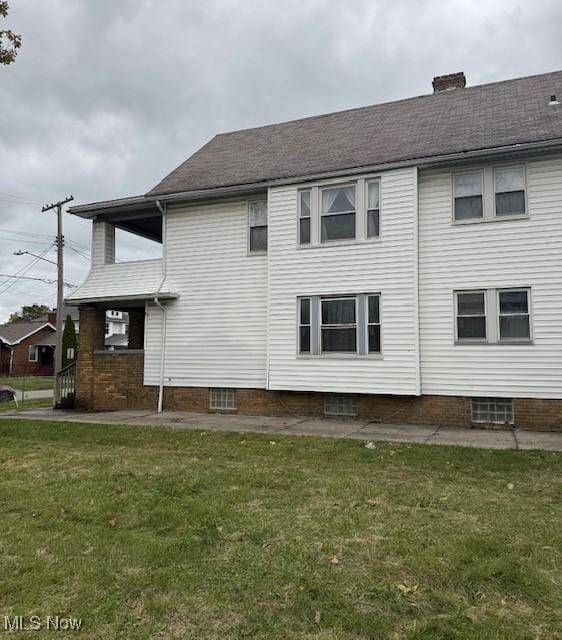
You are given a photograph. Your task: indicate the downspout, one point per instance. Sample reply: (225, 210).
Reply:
(11, 359)
(162, 309)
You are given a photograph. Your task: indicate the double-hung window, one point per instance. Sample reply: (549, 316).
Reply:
(373, 209)
(337, 213)
(468, 195)
(471, 315)
(509, 191)
(304, 325)
(490, 193)
(514, 320)
(349, 324)
(493, 315)
(339, 325)
(304, 216)
(257, 221)
(33, 353)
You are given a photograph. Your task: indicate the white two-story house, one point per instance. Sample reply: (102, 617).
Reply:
(400, 262)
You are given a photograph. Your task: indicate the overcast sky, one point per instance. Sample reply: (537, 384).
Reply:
(108, 96)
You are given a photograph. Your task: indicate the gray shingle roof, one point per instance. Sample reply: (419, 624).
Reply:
(475, 118)
(13, 332)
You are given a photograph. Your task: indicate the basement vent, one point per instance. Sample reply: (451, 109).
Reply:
(222, 399)
(492, 410)
(340, 405)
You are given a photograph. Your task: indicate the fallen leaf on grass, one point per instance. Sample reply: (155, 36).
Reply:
(406, 590)
(317, 617)
(375, 502)
(112, 522)
(334, 560)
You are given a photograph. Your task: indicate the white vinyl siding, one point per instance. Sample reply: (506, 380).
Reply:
(387, 266)
(216, 329)
(513, 254)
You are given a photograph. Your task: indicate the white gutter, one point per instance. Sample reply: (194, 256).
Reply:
(162, 309)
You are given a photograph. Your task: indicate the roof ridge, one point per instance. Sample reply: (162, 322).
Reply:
(439, 94)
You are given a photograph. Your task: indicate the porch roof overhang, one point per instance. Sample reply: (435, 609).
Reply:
(129, 301)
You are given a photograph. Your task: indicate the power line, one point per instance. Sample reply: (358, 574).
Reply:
(45, 280)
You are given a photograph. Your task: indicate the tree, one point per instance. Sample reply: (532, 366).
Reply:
(29, 312)
(10, 42)
(68, 342)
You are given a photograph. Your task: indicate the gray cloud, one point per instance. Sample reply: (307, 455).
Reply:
(107, 97)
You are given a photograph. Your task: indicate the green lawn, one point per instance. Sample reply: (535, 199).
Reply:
(161, 533)
(34, 403)
(29, 383)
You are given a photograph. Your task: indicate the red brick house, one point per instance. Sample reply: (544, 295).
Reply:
(27, 348)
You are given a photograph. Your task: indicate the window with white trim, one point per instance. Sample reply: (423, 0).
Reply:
(509, 191)
(468, 195)
(304, 216)
(338, 325)
(343, 324)
(257, 223)
(493, 316)
(471, 315)
(492, 410)
(304, 325)
(337, 213)
(33, 353)
(373, 209)
(514, 318)
(222, 399)
(340, 405)
(489, 193)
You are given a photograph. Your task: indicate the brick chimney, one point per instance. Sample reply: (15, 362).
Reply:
(52, 317)
(451, 81)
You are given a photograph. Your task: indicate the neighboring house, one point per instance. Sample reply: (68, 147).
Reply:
(116, 324)
(27, 348)
(399, 262)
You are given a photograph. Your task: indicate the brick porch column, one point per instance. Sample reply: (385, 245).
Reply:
(136, 328)
(91, 337)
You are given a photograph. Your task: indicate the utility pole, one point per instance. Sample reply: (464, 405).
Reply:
(60, 288)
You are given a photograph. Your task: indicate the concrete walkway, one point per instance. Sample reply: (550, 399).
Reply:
(330, 428)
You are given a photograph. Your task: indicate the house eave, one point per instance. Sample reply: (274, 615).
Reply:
(142, 204)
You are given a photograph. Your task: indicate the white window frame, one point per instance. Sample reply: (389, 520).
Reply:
(366, 222)
(489, 194)
(299, 218)
(355, 325)
(456, 304)
(361, 324)
(480, 172)
(374, 324)
(300, 324)
(339, 213)
(361, 219)
(509, 216)
(492, 310)
(252, 201)
(36, 351)
(501, 340)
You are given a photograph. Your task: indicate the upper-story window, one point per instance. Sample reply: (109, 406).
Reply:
(304, 216)
(509, 191)
(489, 193)
(257, 226)
(338, 213)
(342, 212)
(469, 188)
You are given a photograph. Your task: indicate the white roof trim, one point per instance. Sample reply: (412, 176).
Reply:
(12, 344)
